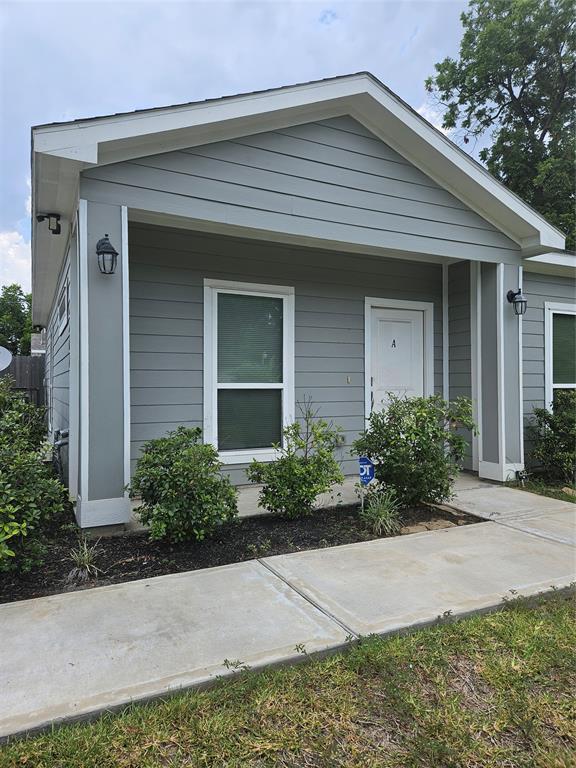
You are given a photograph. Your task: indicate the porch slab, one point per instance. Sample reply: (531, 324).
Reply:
(68, 655)
(340, 495)
(385, 585)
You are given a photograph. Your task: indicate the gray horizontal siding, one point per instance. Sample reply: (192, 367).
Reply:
(459, 340)
(57, 369)
(539, 289)
(167, 269)
(330, 181)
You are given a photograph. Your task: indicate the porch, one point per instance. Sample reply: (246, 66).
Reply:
(161, 371)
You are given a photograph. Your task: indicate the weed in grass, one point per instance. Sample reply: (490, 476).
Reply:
(236, 664)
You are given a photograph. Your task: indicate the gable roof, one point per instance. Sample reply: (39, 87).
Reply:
(60, 151)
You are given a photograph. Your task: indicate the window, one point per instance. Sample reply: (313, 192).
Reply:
(62, 308)
(560, 348)
(249, 367)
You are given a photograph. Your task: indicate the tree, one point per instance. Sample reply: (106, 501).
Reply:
(515, 79)
(15, 319)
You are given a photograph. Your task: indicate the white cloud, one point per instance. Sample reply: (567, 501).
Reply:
(14, 260)
(431, 113)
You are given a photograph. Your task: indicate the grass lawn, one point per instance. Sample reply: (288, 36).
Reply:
(497, 690)
(545, 489)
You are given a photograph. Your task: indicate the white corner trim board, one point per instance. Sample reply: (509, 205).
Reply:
(210, 383)
(84, 426)
(500, 363)
(476, 358)
(521, 370)
(445, 333)
(427, 307)
(550, 309)
(125, 341)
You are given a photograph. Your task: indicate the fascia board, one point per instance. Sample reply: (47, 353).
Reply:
(562, 264)
(132, 125)
(439, 158)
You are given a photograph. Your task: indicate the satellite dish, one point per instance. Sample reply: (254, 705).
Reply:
(5, 358)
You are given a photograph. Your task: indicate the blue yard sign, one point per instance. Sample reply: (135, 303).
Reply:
(366, 470)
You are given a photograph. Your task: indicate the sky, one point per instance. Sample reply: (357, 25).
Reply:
(68, 60)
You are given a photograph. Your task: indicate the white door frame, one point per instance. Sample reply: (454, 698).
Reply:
(370, 303)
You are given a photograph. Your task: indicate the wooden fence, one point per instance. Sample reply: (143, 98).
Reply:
(28, 375)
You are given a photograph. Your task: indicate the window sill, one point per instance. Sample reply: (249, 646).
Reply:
(246, 456)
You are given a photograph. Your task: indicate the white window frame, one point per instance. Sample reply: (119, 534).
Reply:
(64, 294)
(211, 290)
(552, 308)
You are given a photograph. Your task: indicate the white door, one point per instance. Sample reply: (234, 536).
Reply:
(396, 354)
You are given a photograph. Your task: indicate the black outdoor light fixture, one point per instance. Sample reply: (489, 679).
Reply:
(519, 301)
(107, 256)
(53, 221)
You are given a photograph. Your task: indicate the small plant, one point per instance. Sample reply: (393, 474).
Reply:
(260, 548)
(553, 436)
(184, 495)
(306, 466)
(416, 446)
(381, 512)
(83, 557)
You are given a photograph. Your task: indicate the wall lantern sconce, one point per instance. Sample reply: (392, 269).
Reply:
(519, 301)
(53, 221)
(107, 256)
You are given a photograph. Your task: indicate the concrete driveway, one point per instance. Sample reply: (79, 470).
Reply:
(75, 654)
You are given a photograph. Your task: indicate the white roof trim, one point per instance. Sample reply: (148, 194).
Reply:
(64, 149)
(553, 264)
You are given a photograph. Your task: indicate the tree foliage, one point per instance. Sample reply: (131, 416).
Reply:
(515, 79)
(15, 319)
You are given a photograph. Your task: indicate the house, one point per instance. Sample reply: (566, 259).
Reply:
(320, 240)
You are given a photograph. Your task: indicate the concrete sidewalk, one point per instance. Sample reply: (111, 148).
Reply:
(75, 654)
(529, 512)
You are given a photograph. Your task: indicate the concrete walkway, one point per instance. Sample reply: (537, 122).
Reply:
(541, 516)
(76, 654)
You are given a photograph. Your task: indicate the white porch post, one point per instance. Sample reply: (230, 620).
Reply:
(498, 373)
(104, 375)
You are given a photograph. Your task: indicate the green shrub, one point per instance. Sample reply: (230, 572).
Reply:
(415, 446)
(305, 468)
(381, 512)
(184, 496)
(553, 435)
(31, 497)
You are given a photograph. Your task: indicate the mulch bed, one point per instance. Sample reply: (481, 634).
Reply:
(133, 556)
